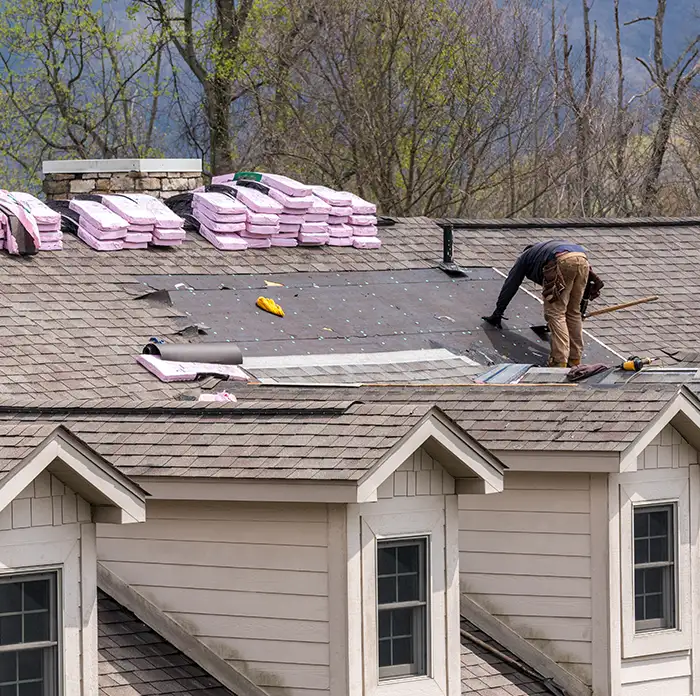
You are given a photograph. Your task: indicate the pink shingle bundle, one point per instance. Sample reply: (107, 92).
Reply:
(221, 219)
(99, 227)
(363, 222)
(169, 227)
(48, 221)
(19, 231)
(141, 221)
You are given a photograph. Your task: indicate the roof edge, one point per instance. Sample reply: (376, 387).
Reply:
(175, 634)
(115, 497)
(531, 656)
(554, 223)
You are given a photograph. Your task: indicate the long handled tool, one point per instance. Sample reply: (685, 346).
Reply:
(543, 330)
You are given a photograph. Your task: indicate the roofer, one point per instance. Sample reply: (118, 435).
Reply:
(563, 271)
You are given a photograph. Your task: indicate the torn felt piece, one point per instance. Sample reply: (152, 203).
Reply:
(172, 371)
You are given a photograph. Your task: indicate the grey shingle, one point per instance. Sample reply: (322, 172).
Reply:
(135, 661)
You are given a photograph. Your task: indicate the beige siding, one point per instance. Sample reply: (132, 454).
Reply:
(667, 675)
(525, 557)
(249, 580)
(419, 475)
(669, 450)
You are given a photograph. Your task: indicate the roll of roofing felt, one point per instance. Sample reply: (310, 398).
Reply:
(219, 353)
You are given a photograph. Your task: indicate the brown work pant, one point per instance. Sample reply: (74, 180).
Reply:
(563, 312)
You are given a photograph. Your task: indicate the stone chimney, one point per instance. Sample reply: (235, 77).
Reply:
(161, 178)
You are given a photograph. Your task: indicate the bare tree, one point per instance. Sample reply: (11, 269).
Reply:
(208, 38)
(672, 82)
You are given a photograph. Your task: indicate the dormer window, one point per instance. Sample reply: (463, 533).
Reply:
(28, 635)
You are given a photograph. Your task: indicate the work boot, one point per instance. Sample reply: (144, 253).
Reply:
(574, 363)
(551, 363)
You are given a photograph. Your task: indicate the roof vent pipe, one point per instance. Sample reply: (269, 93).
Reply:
(217, 353)
(448, 265)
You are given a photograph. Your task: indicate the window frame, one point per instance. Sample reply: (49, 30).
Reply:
(655, 488)
(51, 648)
(670, 568)
(420, 619)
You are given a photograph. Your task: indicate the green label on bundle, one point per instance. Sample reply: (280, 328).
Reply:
(250, 176)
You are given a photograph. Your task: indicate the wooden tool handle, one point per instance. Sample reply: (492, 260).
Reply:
(624, 305)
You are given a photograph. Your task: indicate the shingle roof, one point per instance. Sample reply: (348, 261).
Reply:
(70, 322)
(135, 661)
(485, 672)
(330, 434)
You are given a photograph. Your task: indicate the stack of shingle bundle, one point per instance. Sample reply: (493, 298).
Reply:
(141, 222)
(98, 226)
(340, 210)
(19, 233)
(363, 222)
(296, 200)
(222, 219)
(263, 223)
(169, 227)
(48, 221)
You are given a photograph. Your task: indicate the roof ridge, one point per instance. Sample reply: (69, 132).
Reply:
(555, 223)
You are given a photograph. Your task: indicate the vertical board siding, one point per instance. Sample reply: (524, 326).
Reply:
(668, 450)
(419, 475)
(249, 580)
(525, 556)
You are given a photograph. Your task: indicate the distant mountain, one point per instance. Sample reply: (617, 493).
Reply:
(682, 22)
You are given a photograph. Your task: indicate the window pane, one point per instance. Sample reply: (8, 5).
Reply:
(653, 605)
(36, 627)
(408, 559)
(10, 629)
(402, 651)
(385, 624)
(658, 523)
(386, 560)
(641, 524)
(639, 608)
(653, 580)
(408, 588)
(641, 551)
(35, 688)
(386, 590)
(402, 622)
(8, 667)
(10, 597)
(385, 653)
(30, 664)
(36, 595)
(8, 690)
(658, 549)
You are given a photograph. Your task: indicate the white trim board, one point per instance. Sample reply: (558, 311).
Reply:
(521, 648)
(103, 166)
(683, 413)
(115, 498)
(475, 469)
(330, 360)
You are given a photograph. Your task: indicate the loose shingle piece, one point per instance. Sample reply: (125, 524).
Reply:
(135, 661)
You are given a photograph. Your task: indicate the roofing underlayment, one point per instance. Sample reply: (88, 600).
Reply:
(70, 322)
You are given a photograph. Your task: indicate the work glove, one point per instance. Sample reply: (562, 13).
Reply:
(494, 320)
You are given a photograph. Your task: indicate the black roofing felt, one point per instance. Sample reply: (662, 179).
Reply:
(364, 311)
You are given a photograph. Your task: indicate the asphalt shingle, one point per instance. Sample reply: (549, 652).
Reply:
(134, 660)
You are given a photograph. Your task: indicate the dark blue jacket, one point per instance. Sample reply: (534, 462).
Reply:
(531, 265)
